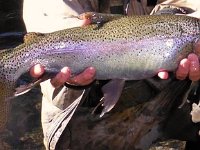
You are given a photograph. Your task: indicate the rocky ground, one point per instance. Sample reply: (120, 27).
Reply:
(85, 131)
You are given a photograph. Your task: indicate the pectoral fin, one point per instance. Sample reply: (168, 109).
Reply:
(31, 36)
(112, 91)
(22, 89)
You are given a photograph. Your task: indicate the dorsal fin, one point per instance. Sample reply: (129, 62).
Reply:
(31, 36)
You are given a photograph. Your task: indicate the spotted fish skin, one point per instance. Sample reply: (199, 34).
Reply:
(129, 48)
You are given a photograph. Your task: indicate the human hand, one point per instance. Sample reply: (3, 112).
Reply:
(84, 78)
(188, 67)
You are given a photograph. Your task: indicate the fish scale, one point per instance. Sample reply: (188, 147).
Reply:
(128, 48)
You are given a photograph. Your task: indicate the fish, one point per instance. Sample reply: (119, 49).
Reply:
(125, 48)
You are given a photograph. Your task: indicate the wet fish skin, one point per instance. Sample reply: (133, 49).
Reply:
(129, 48)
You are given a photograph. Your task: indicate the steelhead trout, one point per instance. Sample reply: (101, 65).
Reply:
(127, 48)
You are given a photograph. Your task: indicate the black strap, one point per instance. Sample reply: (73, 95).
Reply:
(151, 2)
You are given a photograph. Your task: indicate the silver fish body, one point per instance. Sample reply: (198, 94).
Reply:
(129, 48)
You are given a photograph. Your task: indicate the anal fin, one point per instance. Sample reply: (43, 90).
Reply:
(112, 92)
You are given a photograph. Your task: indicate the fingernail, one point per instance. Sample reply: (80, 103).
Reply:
(37, 71)
(163, 75)
(66, 70)
(184, 62)
(61, 77)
